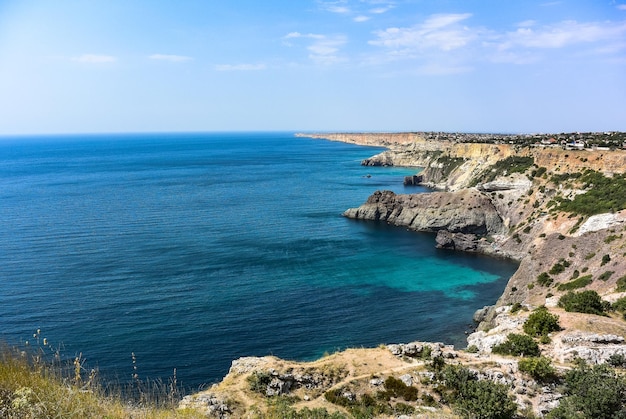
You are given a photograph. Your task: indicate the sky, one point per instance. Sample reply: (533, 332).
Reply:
(523, 66)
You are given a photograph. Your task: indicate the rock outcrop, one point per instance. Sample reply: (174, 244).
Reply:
(467, 212)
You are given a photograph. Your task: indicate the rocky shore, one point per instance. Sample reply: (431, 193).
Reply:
(504, 200)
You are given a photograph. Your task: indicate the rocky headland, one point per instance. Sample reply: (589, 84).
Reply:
(559, 212)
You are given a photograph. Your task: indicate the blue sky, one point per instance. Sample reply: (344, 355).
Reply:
(87, 66)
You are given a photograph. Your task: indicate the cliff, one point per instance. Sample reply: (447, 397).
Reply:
(560, 213)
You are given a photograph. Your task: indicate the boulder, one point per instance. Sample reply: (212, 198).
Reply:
(413, 180)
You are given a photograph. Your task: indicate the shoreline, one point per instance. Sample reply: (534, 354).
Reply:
(517, 187)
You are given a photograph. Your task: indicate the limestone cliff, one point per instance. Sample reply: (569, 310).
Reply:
(560, 213)
(467, 211)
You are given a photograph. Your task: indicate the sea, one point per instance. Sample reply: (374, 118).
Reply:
(154, 253)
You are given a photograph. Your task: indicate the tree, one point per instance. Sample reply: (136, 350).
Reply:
(540, 368)
(592, 392)
(472, 398)
(541, 322)
(518, 345)
(583, 302)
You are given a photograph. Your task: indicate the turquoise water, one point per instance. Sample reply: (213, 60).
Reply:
(191, 250)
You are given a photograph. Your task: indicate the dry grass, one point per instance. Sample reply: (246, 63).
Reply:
(31, 387)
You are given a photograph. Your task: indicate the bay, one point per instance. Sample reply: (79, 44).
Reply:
(190, 250)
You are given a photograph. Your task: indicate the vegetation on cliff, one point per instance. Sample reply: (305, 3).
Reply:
(602, 194)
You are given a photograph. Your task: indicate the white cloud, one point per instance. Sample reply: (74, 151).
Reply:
(361, 18)
(563, 34)
(240, 67)
(301, 35)
(170, 57)
(339, 6)
(95, 59)
(324, 49)
(441, 32)
(380, 10)
(621, 6)
(446, 44)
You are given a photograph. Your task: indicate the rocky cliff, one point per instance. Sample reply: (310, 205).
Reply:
(467, 211)
(560, 213)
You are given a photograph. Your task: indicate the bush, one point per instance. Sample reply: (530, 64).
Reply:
(485, 400)
(517, 345)
(617, 360)
(603, 195)
(606, 275)
(510, 165)
(605, 259)
(619, 305)
(473, 398)
(621, 284)
(540, 368)
(592, 392)
(258, 382)
(580, 282)
(544, 279)
(583, 302)
(541, 322)
(557, 269)
(281, 408)
(396, 388)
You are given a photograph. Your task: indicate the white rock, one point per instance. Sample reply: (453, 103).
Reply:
(600, 222)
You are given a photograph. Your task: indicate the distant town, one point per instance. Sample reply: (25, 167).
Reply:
(611, 140)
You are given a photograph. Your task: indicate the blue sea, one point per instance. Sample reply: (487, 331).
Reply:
(191, 250)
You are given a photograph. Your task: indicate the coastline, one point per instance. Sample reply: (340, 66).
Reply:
(517, 186)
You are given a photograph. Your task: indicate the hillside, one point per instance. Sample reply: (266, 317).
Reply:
(560, 213)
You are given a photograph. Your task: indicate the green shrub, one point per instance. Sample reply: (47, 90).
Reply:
(516, 307)
(605, 259)
(512, 164)
(472, 349)
(544, 279)
(619, 305)
(517, 345)
(603, 195)
(258, 381)
(485, 400)
(279, 408)
(617, 360)
(621, 284)
(606, 275)
(579, 282)
(583, 302)
(540, 368)
(556, 269)
(541, 322)
(396, 388)
(592, 392)
(473, 398)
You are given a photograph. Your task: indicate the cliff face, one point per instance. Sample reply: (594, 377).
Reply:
(469, 159)
(507, 211)
(467, 211)
(498, 199)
